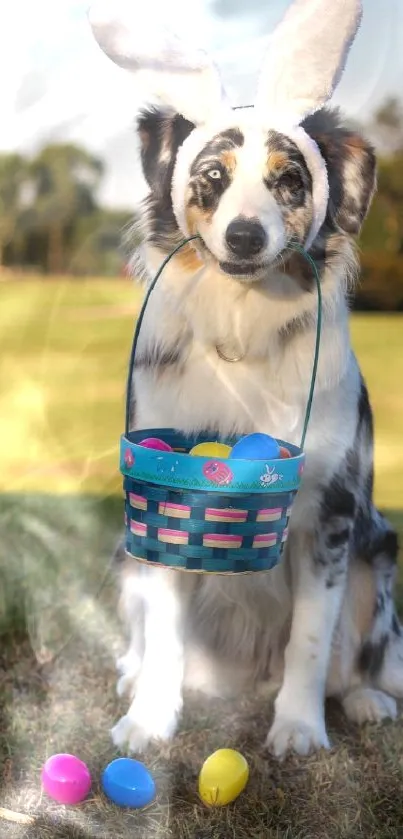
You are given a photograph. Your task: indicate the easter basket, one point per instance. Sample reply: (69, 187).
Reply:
(205, 514)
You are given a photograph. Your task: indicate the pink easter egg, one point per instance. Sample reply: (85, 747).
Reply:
(156, 443)
(66, 779)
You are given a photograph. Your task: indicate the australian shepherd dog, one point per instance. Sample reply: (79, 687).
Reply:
(227, 348)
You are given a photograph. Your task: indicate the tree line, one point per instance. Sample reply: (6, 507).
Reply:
(381, 242)
(51, 220)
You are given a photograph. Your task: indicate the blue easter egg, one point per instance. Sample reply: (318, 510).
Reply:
(256, 447)
(128, 783)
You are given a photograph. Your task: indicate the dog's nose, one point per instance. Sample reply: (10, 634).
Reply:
(245, 237)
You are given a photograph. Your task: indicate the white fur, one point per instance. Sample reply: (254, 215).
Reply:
(248, 197)
(267, 391)
(305, 58)
(320, 184)
(284, 626)
(179, 74)
(251, 157)
(155, 709)
(220, 310)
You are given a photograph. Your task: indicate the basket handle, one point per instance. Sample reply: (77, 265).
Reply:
(129, 385)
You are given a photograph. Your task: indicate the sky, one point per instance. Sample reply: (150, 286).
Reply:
(57, 85)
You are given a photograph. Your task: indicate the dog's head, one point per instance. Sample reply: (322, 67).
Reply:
(248, 193)
(249, 183)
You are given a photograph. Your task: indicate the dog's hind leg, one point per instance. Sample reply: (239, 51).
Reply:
(370, 668)
(380, 658)
(390, 678)
(365, 704)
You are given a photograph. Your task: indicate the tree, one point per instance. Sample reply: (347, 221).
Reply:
(382, 236)
(64, 181)
(96, 245)
(385, 224)
(387, 126)
(13, 175)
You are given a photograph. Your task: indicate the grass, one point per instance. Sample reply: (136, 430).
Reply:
(64, 348)
(377, 340)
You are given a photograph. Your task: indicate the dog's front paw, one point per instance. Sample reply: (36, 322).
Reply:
(122, 733)
(291, 735)
(137, 729)
(127, 735)
(128, 666)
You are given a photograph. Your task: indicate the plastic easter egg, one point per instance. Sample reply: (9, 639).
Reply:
(256, 447)
(128, 783)
(210, 450)
(222, 777)
(284, 452)
(66, 779)
(156, 443)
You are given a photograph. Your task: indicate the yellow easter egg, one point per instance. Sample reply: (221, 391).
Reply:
(210, 450)
(222, 777)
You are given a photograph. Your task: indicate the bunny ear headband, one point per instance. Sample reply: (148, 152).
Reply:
(304, 61)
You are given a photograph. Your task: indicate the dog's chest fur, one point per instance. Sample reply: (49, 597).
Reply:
(181, 380)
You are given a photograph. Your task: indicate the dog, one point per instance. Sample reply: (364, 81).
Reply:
(322, 623)
(226, 347)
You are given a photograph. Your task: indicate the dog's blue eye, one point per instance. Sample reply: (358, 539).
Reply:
(214, 174)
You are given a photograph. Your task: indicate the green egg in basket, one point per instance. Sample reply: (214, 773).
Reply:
(206, 514)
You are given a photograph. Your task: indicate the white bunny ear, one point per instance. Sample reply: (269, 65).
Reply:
(179, 75)
(306, 56)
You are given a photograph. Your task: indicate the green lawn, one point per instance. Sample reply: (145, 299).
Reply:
(64, 352)
(378, 341)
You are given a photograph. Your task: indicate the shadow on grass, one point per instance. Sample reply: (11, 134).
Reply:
(57, 683)
(55, 554)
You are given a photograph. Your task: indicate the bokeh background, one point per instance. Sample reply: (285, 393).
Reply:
(70, 185)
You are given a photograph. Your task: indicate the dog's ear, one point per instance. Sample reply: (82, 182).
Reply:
(351, 167)
(161, 134)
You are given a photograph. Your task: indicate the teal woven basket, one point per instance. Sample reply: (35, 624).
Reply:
(205, 514)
